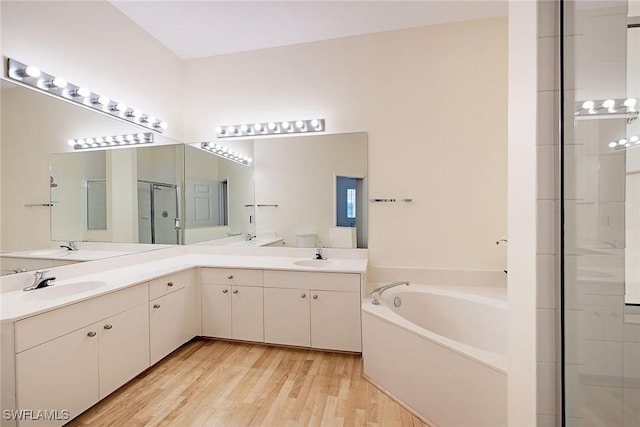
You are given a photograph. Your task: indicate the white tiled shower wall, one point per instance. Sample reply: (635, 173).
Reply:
(548, 216)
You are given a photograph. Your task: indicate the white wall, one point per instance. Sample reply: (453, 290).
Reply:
(433, 102)
(93, 44)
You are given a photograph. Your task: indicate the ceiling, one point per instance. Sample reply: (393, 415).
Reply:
(194, 29)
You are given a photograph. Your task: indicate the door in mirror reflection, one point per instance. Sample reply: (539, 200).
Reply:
(157, 213)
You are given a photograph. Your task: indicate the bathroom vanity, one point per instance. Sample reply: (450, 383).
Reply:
(66, 347)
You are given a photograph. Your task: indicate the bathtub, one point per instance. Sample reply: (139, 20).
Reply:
(440, 351)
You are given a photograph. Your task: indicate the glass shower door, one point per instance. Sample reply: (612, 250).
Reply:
(601, 320)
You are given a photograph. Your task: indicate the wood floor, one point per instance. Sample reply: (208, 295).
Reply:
(218, 383)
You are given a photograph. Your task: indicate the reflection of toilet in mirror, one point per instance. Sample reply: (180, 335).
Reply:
(306, 240)
(343, 237)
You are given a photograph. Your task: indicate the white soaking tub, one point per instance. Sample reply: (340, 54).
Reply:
(440, 351)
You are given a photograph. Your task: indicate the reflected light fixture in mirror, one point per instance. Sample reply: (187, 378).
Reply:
(112, 141)
(222, 151)
(56, 85)
(606, 106)
(623, 143)
(271, 128)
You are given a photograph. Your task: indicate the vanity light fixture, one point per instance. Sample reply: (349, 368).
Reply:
(226, 153)
(623, 143)
(270, 128)
(31, 75)
(112, 141)
(606, 106)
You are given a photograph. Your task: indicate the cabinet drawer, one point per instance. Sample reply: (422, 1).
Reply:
(167, 284)
(52, 324)
(344, 282)
(231, 276)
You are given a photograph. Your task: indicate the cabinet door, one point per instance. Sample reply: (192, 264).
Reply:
(247, 313)
(123, 348)
(166, 324)
(286, 316)
(216, 311)
(61, 374)
(335, 320)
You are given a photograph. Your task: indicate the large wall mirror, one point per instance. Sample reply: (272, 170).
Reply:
(310, 191)
(307, 191)
(75, 196)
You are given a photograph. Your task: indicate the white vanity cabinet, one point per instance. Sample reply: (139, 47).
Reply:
(69, 359)
(172, 313)
(232, 303)
(320, 310)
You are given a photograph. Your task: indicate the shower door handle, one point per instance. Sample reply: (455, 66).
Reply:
(177, 223)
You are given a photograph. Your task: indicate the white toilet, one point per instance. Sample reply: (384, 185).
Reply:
(306, 240)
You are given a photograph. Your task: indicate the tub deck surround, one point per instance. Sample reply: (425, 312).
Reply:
(17, 304)
(442, 346)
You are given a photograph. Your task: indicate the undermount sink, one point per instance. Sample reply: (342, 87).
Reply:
(316, 263)
(63, 290)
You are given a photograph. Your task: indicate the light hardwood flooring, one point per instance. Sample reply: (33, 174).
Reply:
(219, 383)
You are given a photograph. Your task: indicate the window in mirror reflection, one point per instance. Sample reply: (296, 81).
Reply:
(97, 205)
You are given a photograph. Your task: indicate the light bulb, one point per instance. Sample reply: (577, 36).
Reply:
(220, 131)
(148, 119)
(57, 82)
(119, 138)
(231, 129)
(102, 99)
(130, 138)
(134, 113)
(622, 141)
(258, 127)
(71, 142)
(141, 136)
(30, 71)
(634, 138)
(630, 102)
(163, 125)
(109, 139)
(609, 103)
(286, 125)
(244, 128)
(587, 105)
(82, 92)
(249, 160)
(317, 124)
(613, 144)
(99, 140)
(119, 106)
(271, 126)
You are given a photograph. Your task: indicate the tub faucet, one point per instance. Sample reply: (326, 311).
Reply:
(377, 292)
(40, 281)
(70, 246)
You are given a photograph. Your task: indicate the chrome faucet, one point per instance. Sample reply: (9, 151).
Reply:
(70, 246)
(320, 253)
(40, 281)
(377, 292)
(250, 237)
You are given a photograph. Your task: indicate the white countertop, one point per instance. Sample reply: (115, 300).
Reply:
(18, 304)
(65, 254)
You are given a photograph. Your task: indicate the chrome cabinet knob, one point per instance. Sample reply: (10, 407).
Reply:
(156, 305)
(107, 326)
(315, 297)
(303, 296)
(170, 284)
(230, 276)
(224, 291)
(235, 292)
(91, 334)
